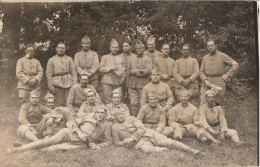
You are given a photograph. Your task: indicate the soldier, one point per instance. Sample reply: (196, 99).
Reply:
(186, 72)
(117, 103)
(138, 70)
(32, 118)
(91, 103)
(130, 132)
(152, 114)
(77, 96)
(61, 74)
(87, 61)
(151, 52)
(113, 67)
(213, 71)
(29, 73)
(127, 54)
(165, 65)
(163, 90)
(184, 120)
(91, 128)
(213, 119)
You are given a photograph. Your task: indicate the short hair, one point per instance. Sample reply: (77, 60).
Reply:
(84, 74)
(91, 91)
(29, 46)
(61, 43)
(165, 43)
(185, 45)
(127, 41)
(212, 39)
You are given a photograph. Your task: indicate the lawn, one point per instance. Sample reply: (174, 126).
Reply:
(242, 115)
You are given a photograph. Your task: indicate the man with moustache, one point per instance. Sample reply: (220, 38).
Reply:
(151, 52)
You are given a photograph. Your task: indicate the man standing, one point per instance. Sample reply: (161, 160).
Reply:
(129, 132)
(32, 119)
(152, 114)
(186, 72)
(213, 71)
(29, 73)
(113, 68)
(87, 61)
(76, 94)
(165, 65)
(184, 120)
(151, 52)
(92, 128)
(213, 119)
(61, 74)
(163, 90)
(138, 70)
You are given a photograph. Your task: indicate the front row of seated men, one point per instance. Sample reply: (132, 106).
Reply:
(98, 126)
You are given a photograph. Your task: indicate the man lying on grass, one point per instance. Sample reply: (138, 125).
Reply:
(92, 128)
(130, 132)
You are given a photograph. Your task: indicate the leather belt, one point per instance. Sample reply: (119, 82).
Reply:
(60, 74)
(214, 75)
(215, 124)
(31, 74)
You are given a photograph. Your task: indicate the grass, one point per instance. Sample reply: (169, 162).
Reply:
(242, 115)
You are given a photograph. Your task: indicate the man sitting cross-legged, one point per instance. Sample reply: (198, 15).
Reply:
(91, 128)
(184, 120)
(152, 115)
(129, 132)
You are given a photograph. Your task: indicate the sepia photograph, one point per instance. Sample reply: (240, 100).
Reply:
(129, 83)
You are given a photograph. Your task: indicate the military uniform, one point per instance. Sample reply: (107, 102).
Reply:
(26, 69)
(109, 79)
(213, 67)
(121, 106)
(77, 96)
(61, 74)
(152, 117)
(187, 68)
(86, 107)
(163, 91)
(88, 62)
(153, 55)
(138, 81)
(146, 140)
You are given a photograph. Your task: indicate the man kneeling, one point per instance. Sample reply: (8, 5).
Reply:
(129, 132)
(92, 128)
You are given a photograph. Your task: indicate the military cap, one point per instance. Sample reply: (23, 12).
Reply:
(116, 91)
(212, 91)
(86, 90)
(101, 106)
(139, 43)
(84, 73)
(114, 42)
(151, 38)
(85, 39)
(48, 95)
(184, 91)
(152, 93)
(116, 110)
(35, 93)
(155, 70)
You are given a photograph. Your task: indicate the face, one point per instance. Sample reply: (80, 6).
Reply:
(50, 103)
(30, 51)
(91, 97)
(139, 50)
(85, 45)
(116, 99)
(60, 49)
(155, 77)
(100, 114)
(120, 117)
(114, 49)
(126, 47)
(210, 98)
(211, 46)
(34, 100)
(185, 51)
(153, 101)
(165, 50)
(84, 81)
(184, 98)
(151, 46)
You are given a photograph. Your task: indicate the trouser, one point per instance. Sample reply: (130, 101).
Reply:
(158, 142)
(94, 83)
(61, 95)
(107, 89)
(187, 130)
(219, 96)
(134, 96)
